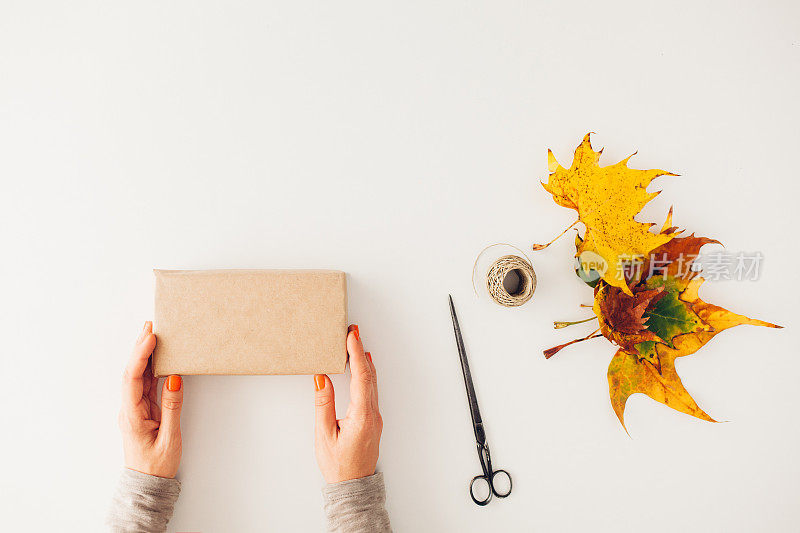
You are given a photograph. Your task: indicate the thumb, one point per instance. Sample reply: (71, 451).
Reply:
(171, 404)
(325, 421)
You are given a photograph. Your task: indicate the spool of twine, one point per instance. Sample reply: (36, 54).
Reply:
(500, 269)
(497, 274)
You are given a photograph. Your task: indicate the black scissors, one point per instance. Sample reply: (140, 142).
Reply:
(485, 481)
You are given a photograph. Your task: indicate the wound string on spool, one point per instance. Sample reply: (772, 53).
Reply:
(498, 272)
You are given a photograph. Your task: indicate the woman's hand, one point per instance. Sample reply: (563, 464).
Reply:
(151, 435)
(348, 448)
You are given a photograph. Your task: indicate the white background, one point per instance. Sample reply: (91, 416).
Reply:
(393, 142)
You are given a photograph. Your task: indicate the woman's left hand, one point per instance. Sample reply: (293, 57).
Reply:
(348, 448)
(151, 435)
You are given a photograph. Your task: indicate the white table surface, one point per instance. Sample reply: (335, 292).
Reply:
(393, 142)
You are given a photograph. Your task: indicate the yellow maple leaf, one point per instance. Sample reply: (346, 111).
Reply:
(630, 374)
(607, 199)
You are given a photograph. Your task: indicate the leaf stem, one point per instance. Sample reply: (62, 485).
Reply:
(537, 247)
(560, 324)
(555, 349)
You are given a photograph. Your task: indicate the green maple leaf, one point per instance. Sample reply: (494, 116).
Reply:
(670, 316)
(592, 277)
(667, 318)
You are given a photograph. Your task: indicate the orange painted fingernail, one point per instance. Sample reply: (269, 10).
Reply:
(354, 329)
(174, 383)
(319, 382)
(369, 356)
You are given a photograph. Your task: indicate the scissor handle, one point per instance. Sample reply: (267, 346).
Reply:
(494, 487)
(492, 490)
(488, 477)
(472, 490)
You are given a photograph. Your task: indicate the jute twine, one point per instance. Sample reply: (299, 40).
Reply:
(497, 274)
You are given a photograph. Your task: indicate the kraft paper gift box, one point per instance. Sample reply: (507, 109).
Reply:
(250, 322)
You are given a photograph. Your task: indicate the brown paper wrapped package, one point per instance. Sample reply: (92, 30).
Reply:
(250, 322)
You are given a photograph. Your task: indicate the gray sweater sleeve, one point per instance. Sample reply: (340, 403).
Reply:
(357, 506)
(142, 503)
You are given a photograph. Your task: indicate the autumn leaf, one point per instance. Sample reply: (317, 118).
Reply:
(683, 323)
(653, 312)
(588, 275)
(630, 374)
(607, 199)
(622, 317)
(673, 260)
(669, 316)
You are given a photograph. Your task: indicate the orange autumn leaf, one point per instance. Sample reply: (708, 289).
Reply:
(653, 311)
(673, 260)
(630, 374)
(627, 375)
(685, 321)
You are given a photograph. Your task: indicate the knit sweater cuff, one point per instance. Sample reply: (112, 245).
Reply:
(357, 505)
(142, 502)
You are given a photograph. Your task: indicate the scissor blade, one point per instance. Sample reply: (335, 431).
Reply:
(459, 340)
(475, 412)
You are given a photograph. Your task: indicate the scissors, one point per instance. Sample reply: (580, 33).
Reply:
(486, 481)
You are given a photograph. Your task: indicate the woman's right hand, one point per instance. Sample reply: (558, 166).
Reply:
(348, 448)
(151, 435)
